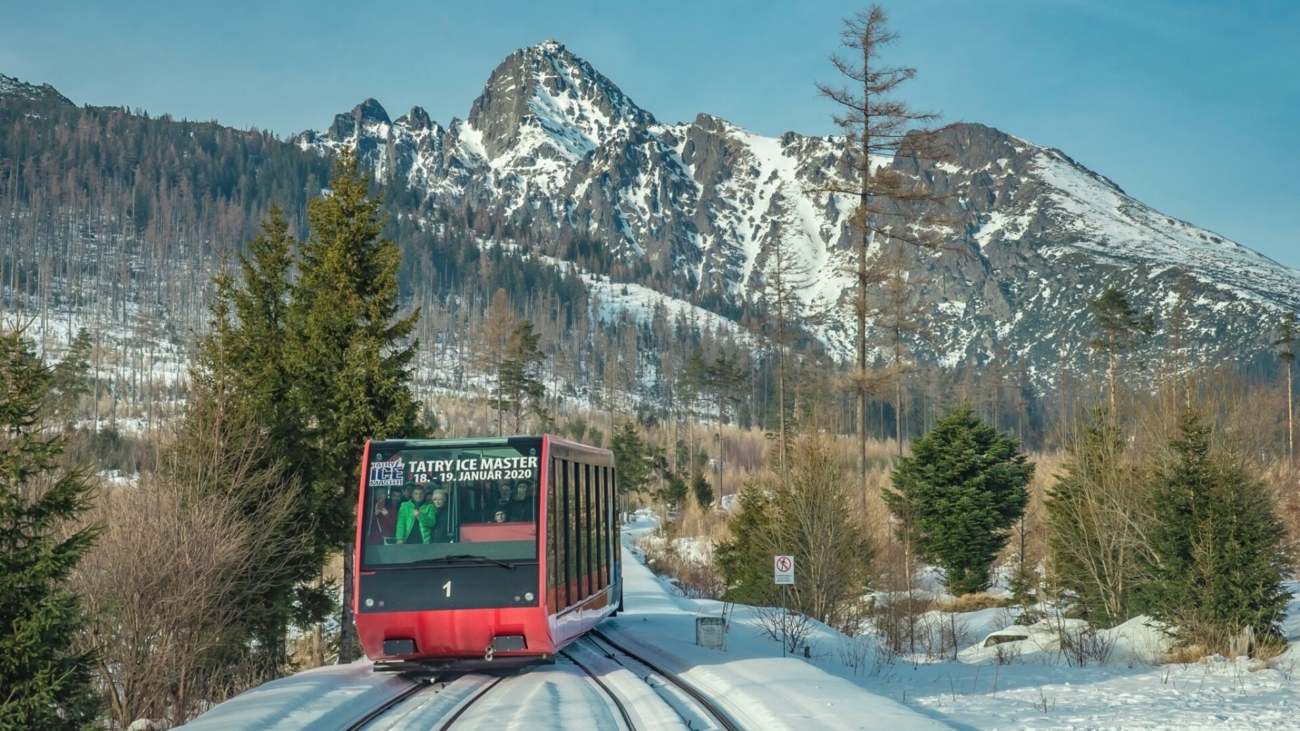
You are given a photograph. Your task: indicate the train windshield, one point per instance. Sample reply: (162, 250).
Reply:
(454, 505)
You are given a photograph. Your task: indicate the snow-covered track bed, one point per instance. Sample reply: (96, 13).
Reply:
(559, 696)
(695, 709)
(437, 706)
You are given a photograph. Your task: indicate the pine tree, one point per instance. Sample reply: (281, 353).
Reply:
(674, 491)
(242, 374)
(494, 346)
(724, 377)
(963, 488)
(744, 558)
(702, 490)
(350, 351)
(1217, 543)
(519, 383)
(45, 683)
(630, 453)
(784, 274)
(876, 124)
(1122, 328)
(69, 382)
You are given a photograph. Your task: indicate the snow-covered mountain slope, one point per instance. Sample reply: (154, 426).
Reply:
(553, 151)
(1045, 235)
(554, 147)
(12, 87)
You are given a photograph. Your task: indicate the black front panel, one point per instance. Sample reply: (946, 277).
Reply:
(448, 587)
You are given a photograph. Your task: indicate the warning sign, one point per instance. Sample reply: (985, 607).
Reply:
(784, 574)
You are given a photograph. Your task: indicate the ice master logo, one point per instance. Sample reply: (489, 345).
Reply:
(387, 474)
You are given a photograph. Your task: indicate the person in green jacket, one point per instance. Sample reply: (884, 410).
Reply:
(414, 514)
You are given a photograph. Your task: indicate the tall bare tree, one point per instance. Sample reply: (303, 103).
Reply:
(784, 274)
(1285, 352)
(1122, 328)
(875, 125)
(898, 315)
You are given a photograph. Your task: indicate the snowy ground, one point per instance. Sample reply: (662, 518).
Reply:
(1034, 689)
(1037, 688)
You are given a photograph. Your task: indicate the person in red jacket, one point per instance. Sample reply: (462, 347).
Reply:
(382, 527)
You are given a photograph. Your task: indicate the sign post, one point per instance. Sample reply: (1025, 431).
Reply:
(783, 576)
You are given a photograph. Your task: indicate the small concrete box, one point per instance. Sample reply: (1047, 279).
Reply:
(711, 632)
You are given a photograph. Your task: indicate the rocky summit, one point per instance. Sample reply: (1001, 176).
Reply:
(555, 149)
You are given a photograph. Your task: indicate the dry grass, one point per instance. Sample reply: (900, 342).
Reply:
(972, 603)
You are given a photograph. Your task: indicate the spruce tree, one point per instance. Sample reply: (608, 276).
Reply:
(69, 382)
(1217, 543)
(744, 557)
(45, 683)
(242, 376)
(963, 489)
(702, 490)
(519, 380)
(630, 453)
(674, 491)
(350, 352)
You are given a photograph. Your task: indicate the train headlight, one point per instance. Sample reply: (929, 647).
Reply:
(370, 602)
(528, 596)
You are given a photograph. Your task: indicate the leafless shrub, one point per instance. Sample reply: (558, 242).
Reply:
(176, 565)
(1085, 646)
(897, 619)
(785, 625)
(1006, 653)
(696, 575)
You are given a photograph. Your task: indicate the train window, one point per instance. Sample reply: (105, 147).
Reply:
(425, 504)
(606, 512)
(602, 527)
(615, 543)
(571, 506)
(598, 523)
(551, 544)
(584, 586)
(566, 523)
(588, 528)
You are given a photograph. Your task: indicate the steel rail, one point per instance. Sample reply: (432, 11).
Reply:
(388, 705)
(724, 719)
(465, 705)
(622, 710)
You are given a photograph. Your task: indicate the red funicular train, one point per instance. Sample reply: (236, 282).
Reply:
(484, 552)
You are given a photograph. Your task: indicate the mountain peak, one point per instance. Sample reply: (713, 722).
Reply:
(367, 113)
(416, 119)
(9, 86)
(543, 101)
(548, 47)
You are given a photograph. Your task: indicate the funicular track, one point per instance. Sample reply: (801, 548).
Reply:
(384, 708)
(694, 706)
(416, 694)
(715, 713)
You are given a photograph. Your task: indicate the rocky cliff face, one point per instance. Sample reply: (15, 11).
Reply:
(12, 87)
(553, 147)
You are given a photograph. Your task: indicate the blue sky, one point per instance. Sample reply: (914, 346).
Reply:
(1191, 106)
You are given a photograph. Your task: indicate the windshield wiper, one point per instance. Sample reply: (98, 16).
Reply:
(467, 557)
